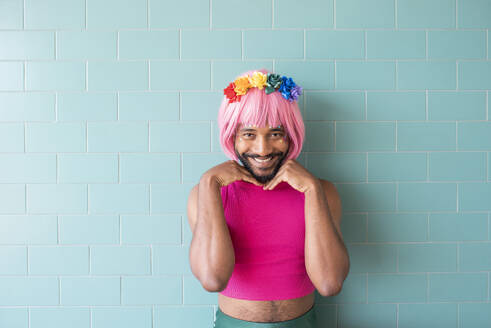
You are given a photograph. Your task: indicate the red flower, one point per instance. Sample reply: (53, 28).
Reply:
(230, 93)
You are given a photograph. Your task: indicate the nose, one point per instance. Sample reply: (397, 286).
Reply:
(262, 146)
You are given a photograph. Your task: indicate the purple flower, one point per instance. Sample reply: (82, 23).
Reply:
(296, 91)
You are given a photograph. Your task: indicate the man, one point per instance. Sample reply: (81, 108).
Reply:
(267, 234)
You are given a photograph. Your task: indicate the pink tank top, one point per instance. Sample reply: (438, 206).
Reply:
(267, 228)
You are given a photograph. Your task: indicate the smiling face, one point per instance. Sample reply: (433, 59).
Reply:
(261, 150)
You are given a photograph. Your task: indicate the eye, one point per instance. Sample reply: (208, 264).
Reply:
(247, 134)
(278, 134)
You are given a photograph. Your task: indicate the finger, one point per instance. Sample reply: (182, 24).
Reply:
(277, 179)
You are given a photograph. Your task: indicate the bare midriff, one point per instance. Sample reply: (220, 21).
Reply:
(265, 311)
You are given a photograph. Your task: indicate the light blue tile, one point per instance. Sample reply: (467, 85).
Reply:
(194, 165)
(202, 106)
(365, 14)
(204, 44)
(27, 168)
(427, 315)
(455, 166)
(397, 227)
(331, 106)
(117, 136)
(27, 45)
(314, 13)
(273, 44)
(182, 14)
(122, 317)
(54, 14)
(13, 199)
(87, 168)
(11, 17)
(354, 291)
(89, 229)
(57, 198)
(365, 75)
(474, 136)
(151, 290)
(187, 137)
(306, 73)
(354, 228)
(474, 256)
(195, 294)
(118, 198)
(372, 258)
(319, 136)
(458, 227)
(14, 317)
(90, 290)
(427, 197)
(168, 198)
(474, 196)
(59, 76)
(454, 287)
(85, 106)
(149, 44)
(13, 261)
(170, 260)
(475, 75)
(474, 14)
(59, 317)
(183, 316)
(256, 14)
(402, 288)
(158, 106)
(426, 75)
(456, 106)
(338, 167)
(367, 315)
(396, 106)
(423, 136)
(474, 315)
(396, 44)
(55, 137)
(56, 260)
(116, 14)
(28, 229)
(457, 44)
(25, 291)
(363, 197)
(11, 76)
(150, 168)
(121, 76)
(86, 45)
(12, 137)
(427, 258)
(186, 75)
(153, 229)
(31, 106)
(226, 71)
(396, 167)
(365, 136)
(334, 44)
(426, 14)
(120, 260)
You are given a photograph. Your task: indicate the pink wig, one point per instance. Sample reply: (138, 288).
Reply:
(256, 108)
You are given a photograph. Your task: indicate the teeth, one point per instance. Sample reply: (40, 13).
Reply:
(262, 160)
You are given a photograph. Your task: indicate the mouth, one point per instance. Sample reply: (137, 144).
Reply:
(265, 162)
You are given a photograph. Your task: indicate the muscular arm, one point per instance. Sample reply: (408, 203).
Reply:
(326, 256)
(211, 252)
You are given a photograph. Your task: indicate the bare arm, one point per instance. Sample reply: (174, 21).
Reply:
(211, 253)
(326, 256)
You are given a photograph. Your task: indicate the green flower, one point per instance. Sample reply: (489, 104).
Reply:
(273, 82)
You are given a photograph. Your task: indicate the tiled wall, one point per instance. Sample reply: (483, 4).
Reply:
(108, 118)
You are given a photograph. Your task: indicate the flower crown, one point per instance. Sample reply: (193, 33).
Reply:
(270, 82)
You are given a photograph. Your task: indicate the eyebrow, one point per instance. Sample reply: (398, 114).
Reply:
(248, 129)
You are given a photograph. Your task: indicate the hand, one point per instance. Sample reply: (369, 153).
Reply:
(228, 172)
(295, 175)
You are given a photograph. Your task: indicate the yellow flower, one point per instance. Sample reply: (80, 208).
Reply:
(241, 85)
(258, 80)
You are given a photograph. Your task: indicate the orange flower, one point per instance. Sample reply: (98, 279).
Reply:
(241, 85)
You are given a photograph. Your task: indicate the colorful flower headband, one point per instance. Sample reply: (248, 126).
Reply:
(270, 82)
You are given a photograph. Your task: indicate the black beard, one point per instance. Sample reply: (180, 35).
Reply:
(263, 179)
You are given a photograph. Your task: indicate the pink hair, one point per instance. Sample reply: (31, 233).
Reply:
(256, 108)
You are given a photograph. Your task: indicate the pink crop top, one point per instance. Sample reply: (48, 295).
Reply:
(267, 228)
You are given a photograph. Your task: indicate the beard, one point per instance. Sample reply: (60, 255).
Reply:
(244, 159)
